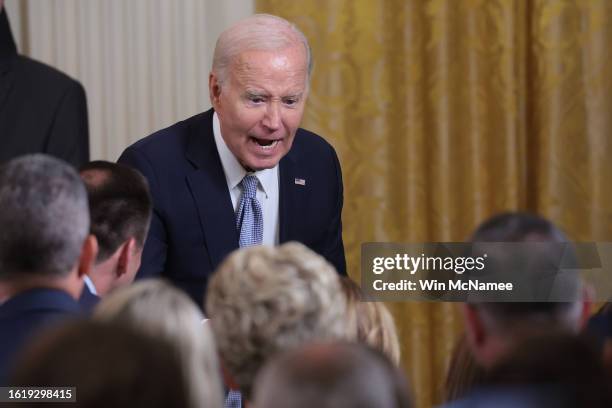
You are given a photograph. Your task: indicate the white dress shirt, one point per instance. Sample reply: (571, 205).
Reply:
(90, 285)
(267, 188)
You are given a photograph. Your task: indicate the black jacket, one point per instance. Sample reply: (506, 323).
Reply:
(41, 109)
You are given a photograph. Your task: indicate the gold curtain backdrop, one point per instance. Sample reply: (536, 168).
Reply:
(444, 112)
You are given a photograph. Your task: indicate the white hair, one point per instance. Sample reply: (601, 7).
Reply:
(263, 32)
(263, 300)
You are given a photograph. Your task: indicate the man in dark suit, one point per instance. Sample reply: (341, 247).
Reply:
(242, 173)
(45, 249)
(120, 208)
(41, 109)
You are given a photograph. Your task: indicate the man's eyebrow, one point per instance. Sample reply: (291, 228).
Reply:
(257, 93)
(294, 95)
(253, 92)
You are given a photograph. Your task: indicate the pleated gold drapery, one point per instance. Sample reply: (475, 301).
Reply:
(444, 112)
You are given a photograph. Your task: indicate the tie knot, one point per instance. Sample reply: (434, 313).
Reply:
(249, 186)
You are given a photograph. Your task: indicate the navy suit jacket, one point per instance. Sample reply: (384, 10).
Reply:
(193, 227)
(88, 301)
(23, 315)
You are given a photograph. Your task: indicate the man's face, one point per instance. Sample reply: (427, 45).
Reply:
(260, 104)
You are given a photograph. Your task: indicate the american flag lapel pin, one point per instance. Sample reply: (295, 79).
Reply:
(300, 182)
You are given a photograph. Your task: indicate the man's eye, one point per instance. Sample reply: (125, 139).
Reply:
(290, 101)
(255, 99)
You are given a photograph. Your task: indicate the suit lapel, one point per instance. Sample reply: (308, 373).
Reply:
(209, 188)
(288, 199)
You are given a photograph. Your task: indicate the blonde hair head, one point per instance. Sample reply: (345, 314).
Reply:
(161, 310)
(371, 322)
(263, 300)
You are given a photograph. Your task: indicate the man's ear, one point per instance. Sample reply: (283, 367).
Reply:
(89, 252)
(474, 328)
(214, 89)
(126, 253)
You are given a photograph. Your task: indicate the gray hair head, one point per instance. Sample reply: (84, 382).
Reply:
(263, 32)
(263, 300)
(44, 217)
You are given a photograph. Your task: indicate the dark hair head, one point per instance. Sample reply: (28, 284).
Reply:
(119, 203)
(517, 227)
(43, 217)
(544, 259)
(111, 365)
(342, 375)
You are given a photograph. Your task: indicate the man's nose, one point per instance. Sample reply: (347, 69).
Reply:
(272, 119)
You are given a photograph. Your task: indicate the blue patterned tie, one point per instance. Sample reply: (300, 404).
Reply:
(249, 218)
(233, 399)
(249, 222)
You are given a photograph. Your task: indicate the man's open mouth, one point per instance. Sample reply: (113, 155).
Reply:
(265, 143)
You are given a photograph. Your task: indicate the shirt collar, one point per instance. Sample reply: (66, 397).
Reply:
(234, 172)
(90, 285)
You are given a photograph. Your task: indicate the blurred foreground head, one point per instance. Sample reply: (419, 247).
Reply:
(341, 375)
(160, 310)
(494, 327)
(264, 300)
(111, 365)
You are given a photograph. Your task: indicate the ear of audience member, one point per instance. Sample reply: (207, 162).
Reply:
(120, 207)
(160, 310)
(341, 375)
(45, 249)
(370, 322)
(264, 300)
(493, 327)
(111, 365)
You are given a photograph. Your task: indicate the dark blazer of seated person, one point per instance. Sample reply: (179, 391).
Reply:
(26, 314)
(88, 300)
